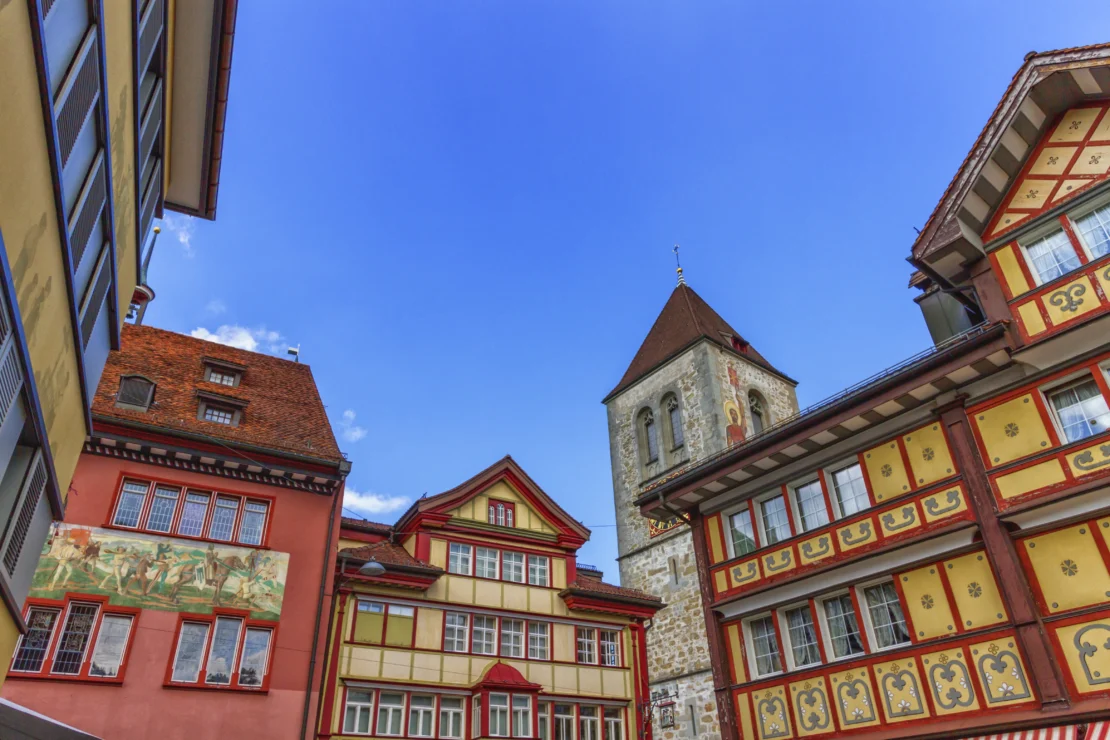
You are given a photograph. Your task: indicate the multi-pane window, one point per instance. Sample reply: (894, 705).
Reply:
(455, 632)
(1094, 230)
(71, 654)
(70, 651)
(887, 620)
(358, 711)
(776, 523)
(614, 724)
(803, 637)
(450, 717)
(224, 652)
(512, 566)
(218, 415)
(485, 562)
(391, 712)
(741, 533)
(30, 654)
(522, 716)
(222, 377)
(765, 646)
(811, 505)
(610, 647)
(193, 514)
(759, 422)
(130, 505)
(111, 642)
(675, 415)
(223, 518)
(458, 560)
(564, 722)
(1081, 410)
(501, 514)
(586, 638)
(651, 434)
(421, 715)
(840, 616)
(162, 508)
(849, 489)
(254, 521)
(499, 715)
(588, 726)
(512, 638)
(1052, 256)
(543, 720)
(537, 570)
(484, 635)
(538, 640)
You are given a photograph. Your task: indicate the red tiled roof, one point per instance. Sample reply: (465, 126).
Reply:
(685, 318)
(284, 413)
(601, 588)
(504, 675)
(388, 553)
(365, 525)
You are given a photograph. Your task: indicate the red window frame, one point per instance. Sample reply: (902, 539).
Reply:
(210, 620)
(376, 693)
(501, 513)
(152, 484)
(385, 623)
(63, 607)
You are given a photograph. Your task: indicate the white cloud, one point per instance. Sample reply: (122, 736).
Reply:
(371, 503)
(216, 307)
(182, 228)
(253, 340)
(348, 430)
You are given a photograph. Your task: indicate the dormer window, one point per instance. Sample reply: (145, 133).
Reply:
(222, 377)
(223, 373)
(220, 409)
(135, 393)
(501, 513)
(218, 415)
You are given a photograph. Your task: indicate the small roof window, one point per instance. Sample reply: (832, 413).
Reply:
(135, 393)
(222, 372)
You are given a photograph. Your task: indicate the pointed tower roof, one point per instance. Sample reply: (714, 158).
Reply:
(684, 320)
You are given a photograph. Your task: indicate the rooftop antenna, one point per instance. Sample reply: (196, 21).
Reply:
(296, 352)
(681, 280)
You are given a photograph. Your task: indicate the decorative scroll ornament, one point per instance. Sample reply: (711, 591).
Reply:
(1088, 641)
(932, 504)
(854, 696)
(952, 684)
(772, 717)
(1068, 299)
(739, 576)
(1086, 460)
(811, 553)
(813, 709)
(909, 518)
(848, 538)
(785, 561)
(1004, 676)
(902, 697)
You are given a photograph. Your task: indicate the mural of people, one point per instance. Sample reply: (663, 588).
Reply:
(734, 431)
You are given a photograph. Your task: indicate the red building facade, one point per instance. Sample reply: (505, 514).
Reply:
(183, 594)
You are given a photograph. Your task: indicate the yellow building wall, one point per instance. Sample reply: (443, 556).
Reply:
(476, 509)
(34, 249)
(121, 121)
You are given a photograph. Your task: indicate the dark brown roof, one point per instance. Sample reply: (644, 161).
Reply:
(387, 553)
(283, 412)
(601, 588)
(685, 319)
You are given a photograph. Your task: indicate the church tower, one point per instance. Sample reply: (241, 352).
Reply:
(694, 388)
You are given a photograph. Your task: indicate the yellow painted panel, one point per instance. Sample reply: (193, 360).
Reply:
(429, 629)
(565, 679)
(1069, 568)
(944, 504)
(1085, 653)
(589, 681)
(900, 691)
(1093, 160)
(1009, 262)
(364, 662)
(736, 653)
(118, 54)
(478, 667)
(1033, 478)
(562, 642)
(9, 636)
(410, 546)
(487, 593)
(716, 547)
(745, 573)
(886, 471)
(427, 667)
(927, 603)
(854, 698)
(1103, 276)
(899, 520)
(514, 597)
(558, 573)
(1071, 301)
(1074, 125)
(948, 676)
(541, 673)
(1052, 160)
(1102, 130)
(1012, 430)
(857, 534)
(437, 554)
(816, 549)
(1095, 459)
(744, 712)
(1001, 672)
(779, 561)
(1031, 193)
(368, 626)
(1071, 187)
(812, 710)
(973, 586)
(613, 684)
(720, 581)
(396, 664)
(456, 669)
(1104, 530)
(928, 452)
(1009, 218)
(540, 600)
(398, 630)
(460, 589)
(1031, 318)
(772, 718)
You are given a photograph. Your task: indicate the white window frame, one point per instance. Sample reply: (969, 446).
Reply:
(787, 646)
(516, 637)
(615, 652)
(496, 563)
(459, 711)
(534, 655)
(514, 710)
(401, 709)
(757, 503)
(1083, 211)
(493, 632)
(591, 641)
(507, 709)
(424, 712)
(749, 644)
(464, 629)
(469, 558)
(826, 632)
(830, 486)
(726, 518)
(614, 726)
(520, 567)
(1077, 378)
(359, 707)
(1043, 232)
(543, 565)
(865, 618)
(796, 506)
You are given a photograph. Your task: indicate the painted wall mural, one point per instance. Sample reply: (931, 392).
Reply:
(152, 572)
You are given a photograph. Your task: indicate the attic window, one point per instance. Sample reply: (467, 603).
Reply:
(135, 393)
(222, 377)
(218, 415)
(501, 513)
(222, 373)
(220, 409)
(738, 344)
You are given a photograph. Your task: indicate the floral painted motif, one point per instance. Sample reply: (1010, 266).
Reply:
(974, 590)
(1069, 568)
(1012, 430)
(927, 601)
(928, 454)
(886, 470)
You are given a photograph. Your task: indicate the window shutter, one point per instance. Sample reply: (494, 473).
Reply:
(78, 95)
(151, 24)
(86, 216)
(135, 392)
(11, 372)
(27, 530)
(95, 298)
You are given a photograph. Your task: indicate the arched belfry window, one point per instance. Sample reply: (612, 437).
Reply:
(674, 416)
(759, 413)
(651, 435)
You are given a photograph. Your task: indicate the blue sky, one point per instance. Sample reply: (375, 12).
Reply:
(464, 211)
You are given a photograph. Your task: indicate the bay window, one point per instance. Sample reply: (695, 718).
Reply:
(450, 717)
(499, 715)
(522, 716)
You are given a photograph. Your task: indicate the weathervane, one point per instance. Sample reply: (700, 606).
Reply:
(681, 280)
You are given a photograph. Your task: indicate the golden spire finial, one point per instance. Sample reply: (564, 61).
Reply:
(681, 279)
